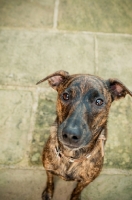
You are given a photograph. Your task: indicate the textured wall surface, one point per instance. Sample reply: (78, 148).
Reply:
(38, 38)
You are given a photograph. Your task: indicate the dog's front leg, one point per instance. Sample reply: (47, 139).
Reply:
(48, 191)
(76, 194)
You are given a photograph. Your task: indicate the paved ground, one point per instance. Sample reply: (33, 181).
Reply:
(36, 39)
(28, 184)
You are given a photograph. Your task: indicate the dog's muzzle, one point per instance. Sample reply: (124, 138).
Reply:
(71, 136)
(74, 136)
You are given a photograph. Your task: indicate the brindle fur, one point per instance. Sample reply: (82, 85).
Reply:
(79, 115)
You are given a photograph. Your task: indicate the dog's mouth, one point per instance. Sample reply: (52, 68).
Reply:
(76, 145)
(71, 146)
(68, 145)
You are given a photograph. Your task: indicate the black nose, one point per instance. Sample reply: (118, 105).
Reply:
(71, 135)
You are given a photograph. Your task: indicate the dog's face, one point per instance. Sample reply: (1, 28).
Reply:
(82, 109)
(83, 105)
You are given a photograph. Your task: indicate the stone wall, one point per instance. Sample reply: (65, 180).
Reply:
(38, 38)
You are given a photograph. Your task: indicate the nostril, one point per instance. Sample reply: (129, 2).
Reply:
(65, 136)
(74, 137)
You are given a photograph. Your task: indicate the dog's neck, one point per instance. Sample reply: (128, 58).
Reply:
(80, 152)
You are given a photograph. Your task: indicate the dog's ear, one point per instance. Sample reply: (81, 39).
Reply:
(117, 89)
(56, 79)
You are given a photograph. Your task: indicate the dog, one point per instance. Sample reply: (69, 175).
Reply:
(75, 148)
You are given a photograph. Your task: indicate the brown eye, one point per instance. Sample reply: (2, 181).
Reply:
(99, 102)
(65, 96)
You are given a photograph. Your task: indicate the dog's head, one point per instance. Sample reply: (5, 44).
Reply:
(83, 105)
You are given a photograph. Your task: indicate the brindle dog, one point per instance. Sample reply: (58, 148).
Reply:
(74, 150)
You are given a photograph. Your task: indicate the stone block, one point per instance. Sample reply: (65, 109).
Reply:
(118, 147)
(96, 16)
(21, 184)
(107, 187)
(16, 107)
(45, 117)
(114, 57)
(27, 13)
(28, 56)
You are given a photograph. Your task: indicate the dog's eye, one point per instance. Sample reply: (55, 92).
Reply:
(65, 96)
(99, 102)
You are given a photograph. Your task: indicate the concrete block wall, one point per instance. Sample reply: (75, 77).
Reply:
(38, 37)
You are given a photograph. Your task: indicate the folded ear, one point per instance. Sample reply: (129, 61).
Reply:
(117, 89)
(56, 78)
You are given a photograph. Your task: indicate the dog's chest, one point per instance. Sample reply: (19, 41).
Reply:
(80, 171)
(66, 170)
